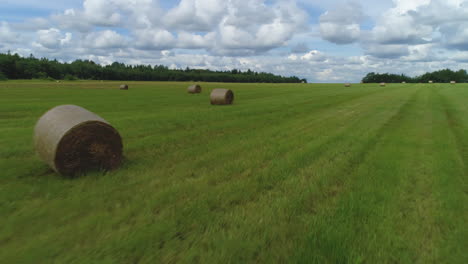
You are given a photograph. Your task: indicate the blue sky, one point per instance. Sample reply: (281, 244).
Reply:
(323, 41)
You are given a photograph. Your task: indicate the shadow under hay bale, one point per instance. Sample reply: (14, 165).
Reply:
(221, 97)
(123, 87)
(73, 140)
(194, 89)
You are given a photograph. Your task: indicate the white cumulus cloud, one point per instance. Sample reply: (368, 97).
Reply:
(341, 25)
(7, 35)
(53, 38)
(106, 39)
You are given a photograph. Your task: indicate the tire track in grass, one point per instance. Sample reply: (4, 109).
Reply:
(412, 218)
(452, 190)
(405, 225)
(457, 130)
(348, 230)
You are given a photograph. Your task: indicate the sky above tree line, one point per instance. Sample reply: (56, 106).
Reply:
(323, 41)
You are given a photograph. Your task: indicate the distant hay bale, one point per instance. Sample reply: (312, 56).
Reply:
(382, 84)
(221, 97)
(453, 82)
(123, 87)
(403, 82)
(194, 89)
(73, 140)
(347, 85)
(430, 82)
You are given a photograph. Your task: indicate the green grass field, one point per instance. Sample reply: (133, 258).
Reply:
(291, 173)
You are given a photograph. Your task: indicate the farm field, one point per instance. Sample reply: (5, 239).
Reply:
(290, 173)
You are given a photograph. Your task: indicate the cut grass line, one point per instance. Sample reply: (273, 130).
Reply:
(334, 235)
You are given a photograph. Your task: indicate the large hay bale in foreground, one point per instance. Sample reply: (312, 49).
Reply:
(194, 89)
(73, 140)
(123, 87)
(347, 85)
(221, 97)
(453, 82)
(382, 84)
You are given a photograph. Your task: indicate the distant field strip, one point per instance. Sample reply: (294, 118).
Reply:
(291, 173)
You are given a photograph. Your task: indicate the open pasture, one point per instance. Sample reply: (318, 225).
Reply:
(290, 173)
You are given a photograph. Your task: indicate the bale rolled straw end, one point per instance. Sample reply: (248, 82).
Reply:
(73, 140)
(221, 97)
(453, 82)
(382, 84)
(347, 85)
(194, 89)
(123, 87)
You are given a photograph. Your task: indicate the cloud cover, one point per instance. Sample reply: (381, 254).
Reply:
(332, 41)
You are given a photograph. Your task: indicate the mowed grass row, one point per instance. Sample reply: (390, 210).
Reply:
(290, 173)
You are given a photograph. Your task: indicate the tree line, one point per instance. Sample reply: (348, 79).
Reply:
(441, 76)
(13, 66)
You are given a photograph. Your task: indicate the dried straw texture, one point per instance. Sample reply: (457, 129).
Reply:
(382, 84)
(347, 85)
(73, 140)
(221, 97)
(453, 82)
(194, 89)
(123, 87)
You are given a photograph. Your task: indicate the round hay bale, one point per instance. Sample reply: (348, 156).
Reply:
(73, 140)
(430, 82)
(347, 85)
(382, 84)
(194, 89)
(453, 82)
(221, 97)
(123, 87)
(403, 82)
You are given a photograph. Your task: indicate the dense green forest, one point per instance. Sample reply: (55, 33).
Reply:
(13, 66)
(442, 76)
